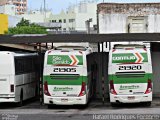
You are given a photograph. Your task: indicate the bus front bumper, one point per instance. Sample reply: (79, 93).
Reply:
(130, 98)
(65, 100)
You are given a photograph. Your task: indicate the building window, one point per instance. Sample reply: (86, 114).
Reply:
(64, 21)
(64, 29)
(12, 8)
(71, 20)
(60, 21)
(53, 21)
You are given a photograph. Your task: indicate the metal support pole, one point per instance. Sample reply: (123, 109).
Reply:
(98, 47)
(103, 81)
(40, 75)
(46, 46)
(52, 45)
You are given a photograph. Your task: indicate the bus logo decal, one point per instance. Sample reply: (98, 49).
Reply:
(129, 58)
(74, 60)
(139, 58)
(71, 60)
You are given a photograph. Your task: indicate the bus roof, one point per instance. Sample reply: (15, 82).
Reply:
(82, 48)
(121, 46)
(18, 53)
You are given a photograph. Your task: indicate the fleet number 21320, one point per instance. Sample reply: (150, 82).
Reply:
(133, 67)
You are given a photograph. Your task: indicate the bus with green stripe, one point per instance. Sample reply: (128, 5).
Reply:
(130, 74)
(67, 76)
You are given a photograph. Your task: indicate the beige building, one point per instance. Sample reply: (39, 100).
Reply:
(74, 19)
(21, 5)
(128, 18)
(36, 16)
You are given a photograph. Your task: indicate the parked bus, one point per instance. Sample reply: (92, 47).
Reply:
(130, 74)
(18, 76)
(67, 76)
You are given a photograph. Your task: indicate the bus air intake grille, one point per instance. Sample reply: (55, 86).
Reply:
(64, 76)
(130, 74)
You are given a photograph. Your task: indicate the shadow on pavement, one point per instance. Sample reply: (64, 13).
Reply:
(15, 105)
(94, 104)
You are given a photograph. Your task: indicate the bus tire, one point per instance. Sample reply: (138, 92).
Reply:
(113, 104)
(49, 106)
(21, 99)
(148, 104)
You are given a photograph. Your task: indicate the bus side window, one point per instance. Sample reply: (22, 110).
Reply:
(19, 66)
(25, 65)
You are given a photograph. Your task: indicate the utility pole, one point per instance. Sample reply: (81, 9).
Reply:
(44, 10)
(88, 25)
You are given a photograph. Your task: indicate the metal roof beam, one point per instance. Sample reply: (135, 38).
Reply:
(92, 38)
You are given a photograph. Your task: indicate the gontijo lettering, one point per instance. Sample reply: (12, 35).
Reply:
(124, 58)
(129, 57)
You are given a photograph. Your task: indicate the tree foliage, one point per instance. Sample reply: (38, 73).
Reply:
(23, 22)
(25, 27)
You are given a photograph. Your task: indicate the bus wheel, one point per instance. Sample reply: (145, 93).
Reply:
(148, 104)
(113, 104)
(21, 99)
(49, 106)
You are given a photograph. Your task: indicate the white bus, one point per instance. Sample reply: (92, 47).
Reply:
(67, 76)
(130, 74)
(18, 76)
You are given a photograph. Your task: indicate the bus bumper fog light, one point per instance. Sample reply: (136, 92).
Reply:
(145, 96)
(51, 102)
(79, 99)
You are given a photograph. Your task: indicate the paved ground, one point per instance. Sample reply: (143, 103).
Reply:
(32, 110)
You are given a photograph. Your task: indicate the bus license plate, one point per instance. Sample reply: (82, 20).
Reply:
(131, 97)
(64, 100)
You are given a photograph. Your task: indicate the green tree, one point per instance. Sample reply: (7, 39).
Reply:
(23, 22)
(24, 27)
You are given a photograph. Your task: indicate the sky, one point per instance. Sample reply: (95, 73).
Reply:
(58, 5)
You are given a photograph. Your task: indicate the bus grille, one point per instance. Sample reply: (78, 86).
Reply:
(130, 74)
(64, 76)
